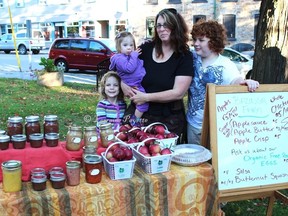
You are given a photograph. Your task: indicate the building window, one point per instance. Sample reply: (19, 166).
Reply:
(256, 20)
(152, 2)
(150, 23)
(19, 3)
(229, 21)
(42, 2)
(199, 1)
(174, 2)
(1, 4)
(196, 18)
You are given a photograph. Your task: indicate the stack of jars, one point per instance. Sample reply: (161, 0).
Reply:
(32, 134)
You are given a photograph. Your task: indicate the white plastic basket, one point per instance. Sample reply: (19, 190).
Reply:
(120, 169)
(153, 164)
(166, 142)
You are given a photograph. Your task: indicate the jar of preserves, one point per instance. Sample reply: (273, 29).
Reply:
(58, 180)
(39, 182)
(18, 141)
(2, 132)
(52, 139)
(93, 168)
(51, 124)
(74, 138)
(73, 172)
(12, 175)
(90, 136)
(4, 142)
(36, 140)
(32, 125)
(106, 134)
(87, 150)
(56, 170)
(38, 171)
(15, 125)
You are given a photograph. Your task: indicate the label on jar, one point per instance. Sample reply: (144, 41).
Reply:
(76, 140)
(94, 172)
(93, 139)
(109, 137)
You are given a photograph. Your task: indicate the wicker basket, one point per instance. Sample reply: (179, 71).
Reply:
(120, 169)
(154, 164)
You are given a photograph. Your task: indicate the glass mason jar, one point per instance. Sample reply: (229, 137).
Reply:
(4, 142)
(52, 139)
(106, 134)
(93, 168)
(73, 172)
(87, 150)
(32, 125)
(51, 124)
(58, 180)
(18, 141)
(90, 136)
(74, 138)
(15, 125)
(12, 175)
(36, 140)
(39, 182)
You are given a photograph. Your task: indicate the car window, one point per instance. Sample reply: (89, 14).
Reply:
(61, 44)
(78, 44)
(96, 47)
(21, 35)
(233, 56)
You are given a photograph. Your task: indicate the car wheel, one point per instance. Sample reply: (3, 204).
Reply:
(62, 65)
(36, 51)
(22, 50)
(249, 74)
(7, 51)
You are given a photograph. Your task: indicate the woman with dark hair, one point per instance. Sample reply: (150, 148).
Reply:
(169, 70)
(210, 66)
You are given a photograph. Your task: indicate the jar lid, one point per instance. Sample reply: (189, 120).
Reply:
(90, 128)
(36, 136)
(89, 149)
(52, 136)
(77, 128)
(39, 178)
(2, 132)
(11, 164)
(92, 159)
(15, 119)
(50, 117)
(38, 171)
(73, 164)
(32, 118)
(104, 126)
(4, 138)
(56, 170)
(18, 137)
(57, 176)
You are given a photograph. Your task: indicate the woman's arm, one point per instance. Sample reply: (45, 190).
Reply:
(180, 87)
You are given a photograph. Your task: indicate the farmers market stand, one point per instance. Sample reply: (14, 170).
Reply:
(190, 190)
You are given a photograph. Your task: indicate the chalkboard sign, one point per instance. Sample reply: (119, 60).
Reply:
(248, 135)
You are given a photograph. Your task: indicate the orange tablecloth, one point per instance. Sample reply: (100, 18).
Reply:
(45, 157)
(181, 191)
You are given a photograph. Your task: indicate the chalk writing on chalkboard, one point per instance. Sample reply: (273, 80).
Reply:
(252, 139)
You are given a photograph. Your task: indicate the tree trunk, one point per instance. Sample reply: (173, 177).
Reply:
(271, 49)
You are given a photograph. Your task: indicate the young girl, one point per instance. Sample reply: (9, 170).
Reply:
(130, 69)
(112, 107)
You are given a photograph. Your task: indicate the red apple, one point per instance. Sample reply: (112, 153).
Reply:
(122, 136)
(159, 129)
(147, 155)
(159, 136)
(143, 150)
(155, 154)
(170, 135)
(143, 137)
(128, 153)
(166, 151)
(132, 140)
(112, 159)
(109, 154)
(154, 148)
(124, 128)
(119, 154)
(114, 146)
(140, 133)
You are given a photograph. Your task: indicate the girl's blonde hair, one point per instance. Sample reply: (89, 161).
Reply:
(103, 83)
(119, 38)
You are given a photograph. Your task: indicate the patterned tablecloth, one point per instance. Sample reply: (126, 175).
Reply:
(181, 191)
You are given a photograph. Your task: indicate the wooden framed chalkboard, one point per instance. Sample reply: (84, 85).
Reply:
(247, 133)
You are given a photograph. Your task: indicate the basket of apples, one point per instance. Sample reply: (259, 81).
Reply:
(118, 161)
(134, 135)
(152, 157)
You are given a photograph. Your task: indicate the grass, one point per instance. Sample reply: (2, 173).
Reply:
(75, 104)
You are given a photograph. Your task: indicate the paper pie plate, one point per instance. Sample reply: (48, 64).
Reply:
(190, 154)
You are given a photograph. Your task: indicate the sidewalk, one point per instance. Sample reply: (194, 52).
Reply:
(68, 77)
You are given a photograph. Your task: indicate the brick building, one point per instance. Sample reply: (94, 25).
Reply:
(104, 18)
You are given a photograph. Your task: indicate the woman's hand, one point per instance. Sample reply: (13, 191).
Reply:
(127, 90)
(139, 97)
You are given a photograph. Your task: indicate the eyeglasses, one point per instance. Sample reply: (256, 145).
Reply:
(164, 25)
